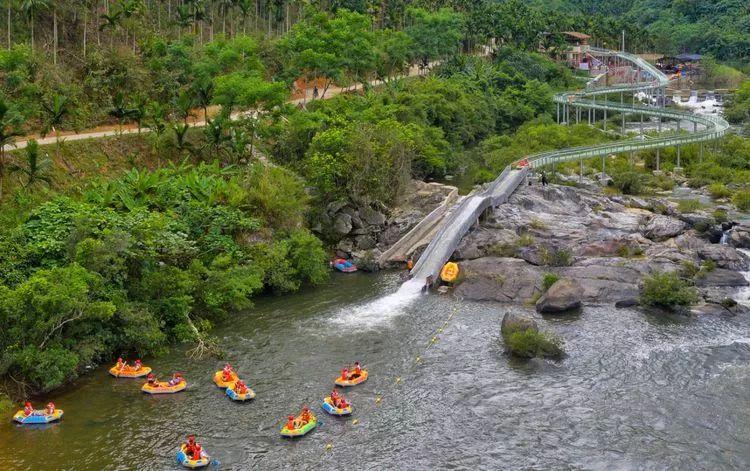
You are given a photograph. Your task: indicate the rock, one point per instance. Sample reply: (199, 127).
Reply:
(722, 277)
(725, 257)
(335, 206)
(564, 295)
(487, 241)
(513, 322)
(714, 234)
(349, 211)
(659, 228)
(629, 302)
(605, 280)
(740, 237)
(345, 245)
(532, 255)
(366, 260)
(371, 217)
(357, 222)
(700, 220)
(364, 242)
(726, 308)
(342, 224)
(499, 279)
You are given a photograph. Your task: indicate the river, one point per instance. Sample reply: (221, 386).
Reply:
(635, 392)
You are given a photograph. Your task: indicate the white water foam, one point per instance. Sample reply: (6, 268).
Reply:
(382, 310)
(743, 295)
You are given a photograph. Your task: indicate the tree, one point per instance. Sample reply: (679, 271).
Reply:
(435, 35)
(8, 133)
(120, 109)
(31, 7)
(393, 49)
(36, 169)
(55, 114)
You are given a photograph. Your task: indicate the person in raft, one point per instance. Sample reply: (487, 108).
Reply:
(338, 400)
(28, 409)
(193, 449)
(176, 379)
(137, 365)
(121, 364)
(226, 373)
(291, 424)
(356, 372)
(305, 417)
(151, 380)
(50, 408)
(345, 373)
(240, 387)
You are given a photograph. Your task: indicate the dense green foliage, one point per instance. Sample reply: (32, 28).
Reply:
(667, 291)
(145, 259)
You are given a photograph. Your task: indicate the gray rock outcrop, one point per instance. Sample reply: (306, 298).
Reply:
(564, 295)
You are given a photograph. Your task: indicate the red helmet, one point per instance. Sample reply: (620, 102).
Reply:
(305, 408)
(356, 363)
(150, 376)
(28, 404)
(291, 417)
(51, 404)
(119, 360)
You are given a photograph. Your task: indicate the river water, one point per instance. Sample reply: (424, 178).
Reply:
(636, 392)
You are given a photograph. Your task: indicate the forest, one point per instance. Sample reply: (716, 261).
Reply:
(132, 243)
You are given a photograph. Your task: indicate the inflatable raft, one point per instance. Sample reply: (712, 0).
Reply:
(164, 387)
(344, 265)
(225, 384)
(352, 382)
(333, 410)
(38, 417)
(298, 432)
(240, 397)
(129, 372)
(449, 273)
(184, 460)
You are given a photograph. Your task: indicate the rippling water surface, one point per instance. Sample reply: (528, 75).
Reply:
(636, 392)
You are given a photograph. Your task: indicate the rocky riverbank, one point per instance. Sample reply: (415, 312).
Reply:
(600, 248)
(363, 232)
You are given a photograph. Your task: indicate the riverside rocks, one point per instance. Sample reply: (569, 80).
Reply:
(564, 295)
(513, 322)
(605, 245)
(365, 231)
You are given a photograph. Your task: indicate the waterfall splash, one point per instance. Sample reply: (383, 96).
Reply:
(381, 310)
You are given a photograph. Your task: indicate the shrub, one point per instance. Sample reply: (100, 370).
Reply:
(530, 344)
(719, 190)
(629, 183)
(741, 199)
(503, 250)
(549, 279)
(721, 216)
(556, 258)
(538, 224)
(689, 205)
(668, 291)
(525, 240)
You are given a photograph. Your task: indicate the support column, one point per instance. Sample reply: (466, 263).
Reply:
(701, 154)
(604, 166)
(658, 156)
(580, 174)
(641, 123)
(678, 156)
(604, 126)
(622, 103)
(558, 113)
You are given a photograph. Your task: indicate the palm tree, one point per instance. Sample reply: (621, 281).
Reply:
(203, 90)
(180, 137)
(31, 7)
(56, 111)
(111, 21)
(245, 7)
(215, 136)
(183, 104)
(36, 169)
(120, 109)
(8, 133)
(138, 110)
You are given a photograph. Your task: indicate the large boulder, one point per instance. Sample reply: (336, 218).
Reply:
(722, 277)
(364, 242)
(499, 279)
(343, 224)
(740, 237)
(513, 322)
(659, 228)
(724, 256)
(563, 296)
(371, 217)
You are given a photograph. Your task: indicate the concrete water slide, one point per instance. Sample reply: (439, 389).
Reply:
(456, 223)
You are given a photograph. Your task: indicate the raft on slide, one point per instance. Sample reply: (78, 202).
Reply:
(129, 372)
(352, 381)
(344, 265)
(333, 410)
(38, 417)
(250, 394)
(164, 387)
(304, 430)
(449, 273)
(225, 384)
(184, 460)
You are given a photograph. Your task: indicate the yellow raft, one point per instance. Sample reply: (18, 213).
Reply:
(38, 417)
(164, 387)
(353, 381)
(184, 460)
(449, 273)
(129, 372)
(225, 384)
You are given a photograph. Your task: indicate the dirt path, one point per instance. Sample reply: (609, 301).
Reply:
(114, 130)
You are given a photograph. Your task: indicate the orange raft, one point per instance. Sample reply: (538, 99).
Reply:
(129, 372)
(352, 381)
(163, 387)
(449, 273)
(219, 380)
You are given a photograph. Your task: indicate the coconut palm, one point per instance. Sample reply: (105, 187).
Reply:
(36, 169)
(55, 113)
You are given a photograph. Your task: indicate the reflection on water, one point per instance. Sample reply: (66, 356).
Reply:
(635, 392)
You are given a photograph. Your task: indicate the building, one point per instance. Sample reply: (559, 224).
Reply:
(576, 52)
